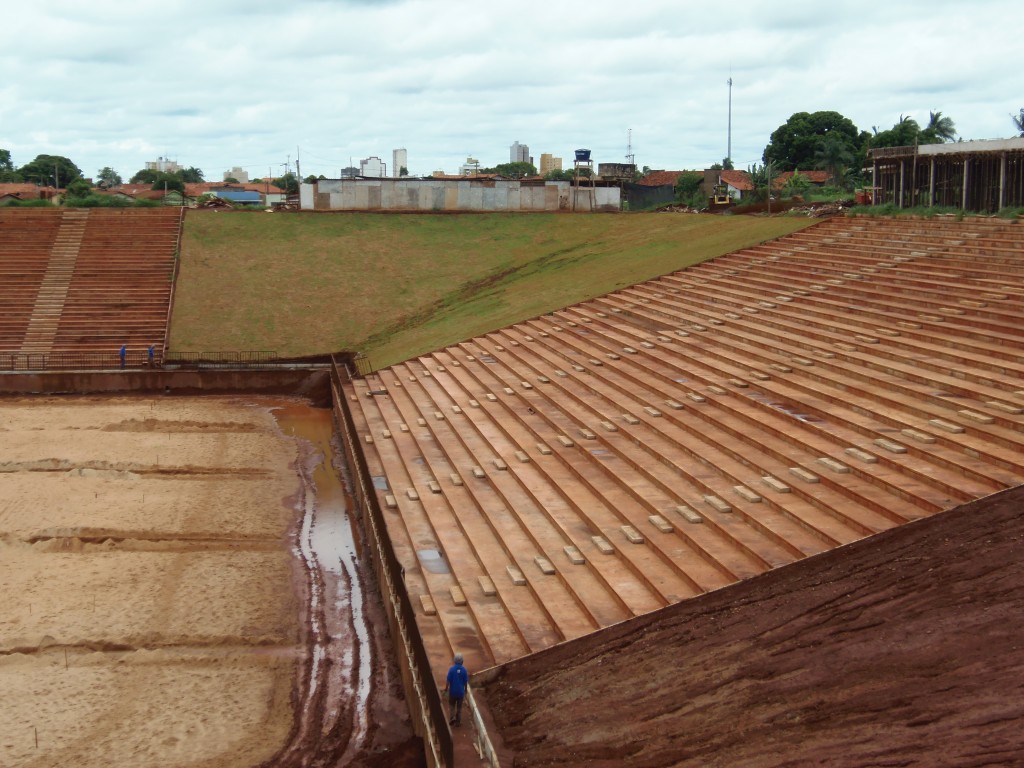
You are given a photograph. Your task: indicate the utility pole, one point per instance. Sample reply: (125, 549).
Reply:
(728, 150)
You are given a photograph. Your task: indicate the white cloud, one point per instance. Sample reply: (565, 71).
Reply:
(216, 84)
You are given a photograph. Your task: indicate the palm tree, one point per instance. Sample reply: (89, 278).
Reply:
(939, 129)
(833, 156)
(1018, 121)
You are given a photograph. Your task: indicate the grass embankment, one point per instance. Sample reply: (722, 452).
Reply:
(397, 286)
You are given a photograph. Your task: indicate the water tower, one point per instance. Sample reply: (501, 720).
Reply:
(581, 163)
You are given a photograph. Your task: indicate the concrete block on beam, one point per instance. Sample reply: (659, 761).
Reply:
(1004, 407)
(630, 418)
(739, 383)
(981, 418)
(413, 496)
(632, 534)
(516, 575)
(566, 441)
(390, 501)
(491, 397)
(545, 565)
(438, 415)
(474, 403)
(603, 545)
(715, 390)
(802, 361)
(561, 374)
(661, 523)
(508, 390)
(836, 466)
(674, 405)
(458, 596)
(747, 494)
(421, 421)
(946, 426)
(890, 446)
(368, 438)
(653, 412)
(574, 555)
(587, 434)
(455, 478)
(594, 361)
(717, 503)
(609, 427)
(500, 465)
(921, 437)
(857, 453)
(760, 376)
(434, 486)
(427, 605)
(522, 457)
(696, 398)
(689, 515)
(803, 474)
(543, 449)
(781, 368)
(385, 433)
(487, 586)
(479, 473)
(866, 339)
(775, 484)
(456, 409)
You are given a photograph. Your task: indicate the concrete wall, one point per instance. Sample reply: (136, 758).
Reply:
(454, 195)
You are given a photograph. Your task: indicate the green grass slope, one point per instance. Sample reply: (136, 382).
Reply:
(394, 286)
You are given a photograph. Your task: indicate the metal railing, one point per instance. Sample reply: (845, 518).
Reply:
(134, 359)
(236, 359)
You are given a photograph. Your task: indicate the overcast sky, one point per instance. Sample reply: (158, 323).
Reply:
(217, 84)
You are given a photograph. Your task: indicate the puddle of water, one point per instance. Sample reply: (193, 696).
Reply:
(327, 542)
(433, 561)
(787, 408)
(380, 482)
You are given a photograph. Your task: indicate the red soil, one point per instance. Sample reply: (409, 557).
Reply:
(901, 649)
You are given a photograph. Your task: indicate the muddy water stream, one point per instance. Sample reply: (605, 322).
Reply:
(335, 700)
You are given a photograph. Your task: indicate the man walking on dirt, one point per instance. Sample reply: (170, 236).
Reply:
(458, 680)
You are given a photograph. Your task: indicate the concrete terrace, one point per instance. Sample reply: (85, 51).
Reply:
(85, 281)
(578, 469)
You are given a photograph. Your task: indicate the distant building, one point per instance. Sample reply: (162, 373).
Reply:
(549, 163)
(372, 167)
(399, 160)
(163, 165)
(469, 168)
(238, 174)
(616, 171)
(350, 172)
(519, 153)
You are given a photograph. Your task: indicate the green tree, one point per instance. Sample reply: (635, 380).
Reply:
(1018, 121)
(403, 171)
(108, 177)
(939, 129)
(761, 177)
(793, 144)
(833, 156)
(8, 173)
(687, 189)
(78, 189)
(231, 180)
(289, 183)
(905, 133)
(190, 175)
(50, 170)
(145, 176)
(516, 170)
(727, 164)
(168, 181)
(797, 184)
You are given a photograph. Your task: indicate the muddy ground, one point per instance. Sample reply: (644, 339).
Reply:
(906, 649)
(182, 587)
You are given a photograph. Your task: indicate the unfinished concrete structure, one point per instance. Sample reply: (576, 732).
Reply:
(585, 467)
(467, 194)
(982, 176)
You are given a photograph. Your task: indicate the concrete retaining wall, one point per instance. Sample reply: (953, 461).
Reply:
(454, 195)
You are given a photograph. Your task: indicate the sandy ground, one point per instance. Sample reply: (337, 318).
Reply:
(157, 599)
(903, 649)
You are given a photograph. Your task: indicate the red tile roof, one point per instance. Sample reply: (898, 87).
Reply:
(664, 178)
(26, 191)
(815, 177)
(737, 180)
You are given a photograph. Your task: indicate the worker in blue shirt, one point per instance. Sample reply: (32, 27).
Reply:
(456, 684)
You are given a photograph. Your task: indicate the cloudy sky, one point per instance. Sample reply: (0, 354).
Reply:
(217, 84)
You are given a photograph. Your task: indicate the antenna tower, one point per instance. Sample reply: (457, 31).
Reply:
(728, 150)
(630, 157)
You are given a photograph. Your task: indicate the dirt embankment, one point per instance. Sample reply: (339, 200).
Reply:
(903, 649)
